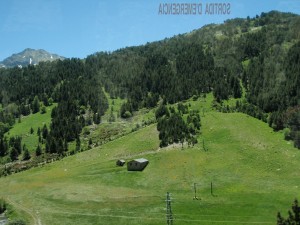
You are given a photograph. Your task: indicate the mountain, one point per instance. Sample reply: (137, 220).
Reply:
(29, 56)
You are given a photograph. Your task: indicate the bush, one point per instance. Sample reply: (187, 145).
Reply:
(112, 117)
(2, 206)
(287, 134)
(43, 110)
(127, 114)
(26, 154)
(17, 222)
(86, 131)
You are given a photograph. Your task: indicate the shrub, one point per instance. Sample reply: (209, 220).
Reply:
(17, 222)
(2, 206)
(127, 114)
(43, 110)
(287, 134)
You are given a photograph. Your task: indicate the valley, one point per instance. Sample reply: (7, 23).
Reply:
(253, 171)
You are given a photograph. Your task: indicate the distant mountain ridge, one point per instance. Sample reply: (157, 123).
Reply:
(29, 57)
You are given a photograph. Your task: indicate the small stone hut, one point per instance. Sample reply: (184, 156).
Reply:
(137, 164)
(120, 162)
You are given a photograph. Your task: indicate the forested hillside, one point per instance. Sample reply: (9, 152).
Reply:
(260, 55)
(29, 90)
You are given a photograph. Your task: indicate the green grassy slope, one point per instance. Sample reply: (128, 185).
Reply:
(32, 121)
(109, 130)
(254, 173)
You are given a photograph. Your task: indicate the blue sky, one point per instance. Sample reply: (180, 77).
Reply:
(77, 28)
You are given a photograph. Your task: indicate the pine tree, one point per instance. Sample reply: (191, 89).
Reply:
(16, 143)
(35, 107)
(97, 118)
(38, 150)
(45, 131)
(38, 132)
(26, 154)
(3, 146)
(14, 154)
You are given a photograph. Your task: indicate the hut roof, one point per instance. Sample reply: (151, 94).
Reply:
(141, 160)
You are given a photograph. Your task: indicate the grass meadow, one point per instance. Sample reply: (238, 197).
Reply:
(34, 121)
(255, 174)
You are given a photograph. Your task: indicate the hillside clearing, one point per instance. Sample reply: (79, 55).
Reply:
(33, 121)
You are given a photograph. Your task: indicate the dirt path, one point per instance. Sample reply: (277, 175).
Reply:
(168, 148)
(36, 220)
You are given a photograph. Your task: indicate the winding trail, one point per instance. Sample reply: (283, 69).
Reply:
(36, 220)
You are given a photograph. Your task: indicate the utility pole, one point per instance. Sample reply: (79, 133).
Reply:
(203, 144)
(169, 210)
(195, 189)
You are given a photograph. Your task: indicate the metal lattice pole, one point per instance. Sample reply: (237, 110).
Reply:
(169, 210)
